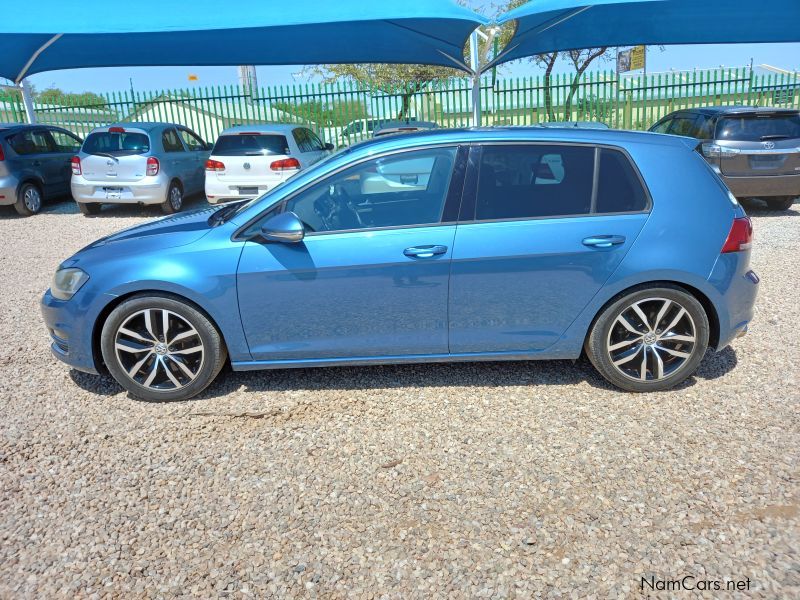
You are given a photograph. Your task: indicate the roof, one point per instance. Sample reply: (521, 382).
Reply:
(267, 128)
(538, 134)
(736, 110)
(145, 126)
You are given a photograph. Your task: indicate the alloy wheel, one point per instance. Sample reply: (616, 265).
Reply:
(175, 198)
(159, 349)
(651, 339)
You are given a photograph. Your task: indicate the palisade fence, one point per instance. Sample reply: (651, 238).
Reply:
(343, 113)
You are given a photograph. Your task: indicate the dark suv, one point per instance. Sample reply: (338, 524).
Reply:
(756, 151)
(34, 164)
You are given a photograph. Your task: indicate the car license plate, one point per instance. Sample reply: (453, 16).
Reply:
(248, 191)
(113, 193)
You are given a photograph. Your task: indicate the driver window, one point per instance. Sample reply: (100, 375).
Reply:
(393, 191)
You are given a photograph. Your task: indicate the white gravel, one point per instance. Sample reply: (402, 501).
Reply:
(466, 480)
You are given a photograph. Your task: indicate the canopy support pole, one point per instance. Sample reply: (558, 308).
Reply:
(27, 100)
(476, 79)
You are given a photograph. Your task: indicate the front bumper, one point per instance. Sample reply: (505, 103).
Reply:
(764, 186)
(149, 192)
(8, 190)
(70, 332)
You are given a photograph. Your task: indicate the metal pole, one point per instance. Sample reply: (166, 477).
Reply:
(476, 79)
(27, 99)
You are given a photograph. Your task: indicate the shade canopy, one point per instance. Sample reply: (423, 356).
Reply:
(554, 25)
(54, 34)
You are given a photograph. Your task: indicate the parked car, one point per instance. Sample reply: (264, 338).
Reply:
(139, 163)
(358, 130)
(498, 256)
(394, 127)
(34, 165)
(756, 151)
(248, 161)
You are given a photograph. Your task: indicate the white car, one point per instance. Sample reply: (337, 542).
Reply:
(249, 160)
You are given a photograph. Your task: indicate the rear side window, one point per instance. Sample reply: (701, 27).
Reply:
(619, 188)
(759, 128)
(251, 145)
(171, 141)
(662, 127)
(31, 142)
(65, 142)
(517, 182)
(116, 144)
(685, 125)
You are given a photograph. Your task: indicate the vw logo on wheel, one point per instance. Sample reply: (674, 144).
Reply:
(769, 145)
(247, 166)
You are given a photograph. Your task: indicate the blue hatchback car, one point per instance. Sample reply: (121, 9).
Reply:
(454, 245)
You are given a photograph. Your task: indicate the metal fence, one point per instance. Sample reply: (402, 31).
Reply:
(344, 113)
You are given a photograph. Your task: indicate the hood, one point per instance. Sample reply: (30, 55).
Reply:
(168, 232)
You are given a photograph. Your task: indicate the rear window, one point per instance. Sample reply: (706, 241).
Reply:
(250, 145)
(759, 128)
(116, 144)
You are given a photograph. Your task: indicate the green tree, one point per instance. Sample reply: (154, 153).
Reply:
(54, 95)
(332, 114)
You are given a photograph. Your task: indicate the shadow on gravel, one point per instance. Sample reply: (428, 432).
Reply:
(440, 375)
(759, 208)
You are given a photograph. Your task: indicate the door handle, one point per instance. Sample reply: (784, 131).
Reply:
(425, 251)
(604, 241)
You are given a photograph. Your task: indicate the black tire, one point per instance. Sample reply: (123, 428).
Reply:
(29, 199)
(780, 202)
(89, 208)
(164, 357)
(651, 353)
(174, 201)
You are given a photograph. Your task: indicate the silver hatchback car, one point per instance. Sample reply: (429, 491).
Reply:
(139, 163)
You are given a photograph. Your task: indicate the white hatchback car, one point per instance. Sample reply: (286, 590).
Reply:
(249, 160)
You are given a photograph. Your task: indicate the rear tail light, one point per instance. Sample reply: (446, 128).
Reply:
(2, 154)
(717, 151)
(215, 165)
(287, 164)
(153, 166)
(116, 130)
(76, 165)
(740, 237)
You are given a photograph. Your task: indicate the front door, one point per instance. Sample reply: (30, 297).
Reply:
(547, 231)
(371, 277)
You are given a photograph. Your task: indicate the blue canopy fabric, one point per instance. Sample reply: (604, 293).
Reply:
(555, 25)
(57, 34)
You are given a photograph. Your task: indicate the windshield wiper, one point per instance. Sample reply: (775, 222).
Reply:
(105, 154)
(778, 136)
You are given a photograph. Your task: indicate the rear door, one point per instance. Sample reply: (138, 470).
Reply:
(199, 152)
(765, 143)
(541, 231)
(179, 162)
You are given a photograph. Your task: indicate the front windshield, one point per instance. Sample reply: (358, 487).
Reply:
(272, 193)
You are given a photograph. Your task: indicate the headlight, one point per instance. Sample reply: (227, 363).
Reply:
(66, 282)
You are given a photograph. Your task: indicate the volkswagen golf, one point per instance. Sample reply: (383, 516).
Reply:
(452, 245)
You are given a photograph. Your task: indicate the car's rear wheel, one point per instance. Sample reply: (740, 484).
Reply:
(161, 349)
(780, 202)
(174, 201)
(89, 208)
(29, 200)
(649, 340)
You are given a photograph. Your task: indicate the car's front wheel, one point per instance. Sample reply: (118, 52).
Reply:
(161, 349)
(780, 202)
(649, 340)
(29, 200)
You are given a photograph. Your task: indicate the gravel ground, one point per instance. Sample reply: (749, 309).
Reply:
(483, 480)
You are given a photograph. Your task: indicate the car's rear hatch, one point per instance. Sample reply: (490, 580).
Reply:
(115, 155)
(760, 143)
(250, 158)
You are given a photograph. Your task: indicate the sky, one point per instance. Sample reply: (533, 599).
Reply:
(681, 58)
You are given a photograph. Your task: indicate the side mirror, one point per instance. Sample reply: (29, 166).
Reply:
(286, 228)
(330, 147)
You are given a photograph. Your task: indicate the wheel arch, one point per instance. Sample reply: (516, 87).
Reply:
(102, 317)
(697, 294)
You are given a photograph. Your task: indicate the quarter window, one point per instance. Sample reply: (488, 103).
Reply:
(619, 188)
(171, 141)
(393, 191)
(531, 181)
